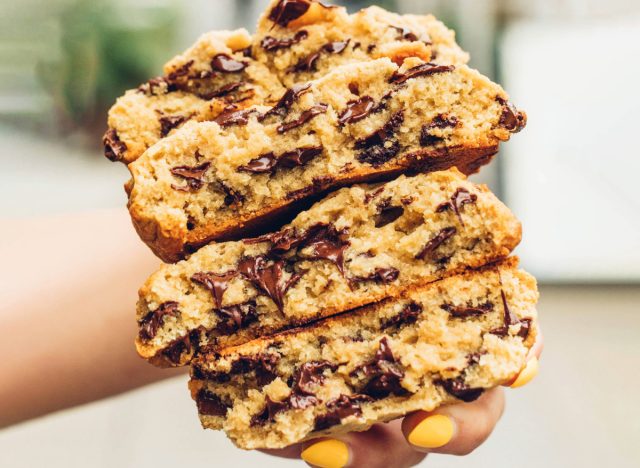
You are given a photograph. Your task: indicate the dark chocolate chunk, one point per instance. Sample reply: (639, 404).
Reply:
(224, 63)
(457, 201)
(405, 33)
(468, 310)
(459, 389)
(311, 373)
(268, 277)
(384, 371)
(269, 162)
(356, 110)
(354, 88)
(169, 122)
(216, 283)
(151, 322)
(286, 11)
(193, 175)
(340, 408)
(379, 275)
(509, 318)
(511, 118)
(210, 404)
(307, 63)
(288, 98)
(440, 121)
(114, 148)
(375, 148)
(303, 118)
(336, 47)
(387, 213)
(525, 328)
(186, 344)
(270, 43)
(233, 318)
(424, 69)
(409, 314)
(436, 242)
(232, 116)
(271, 409)
(327, 243)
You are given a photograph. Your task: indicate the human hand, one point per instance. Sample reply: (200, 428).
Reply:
(454, 429)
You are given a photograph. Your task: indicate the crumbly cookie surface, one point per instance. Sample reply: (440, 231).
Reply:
(355, 247)
(233, 70)
(361, 122)
(440, 343)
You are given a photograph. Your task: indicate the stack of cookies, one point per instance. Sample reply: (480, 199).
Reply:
(328, 265)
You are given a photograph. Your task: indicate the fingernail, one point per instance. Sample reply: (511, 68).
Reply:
(527, 374)
(432, 432)
(328, 453)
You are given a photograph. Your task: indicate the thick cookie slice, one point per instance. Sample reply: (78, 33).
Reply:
(361, 122)
(355, 247)
(304, 39)
(436, 344)
(219, 72)
(213, 75)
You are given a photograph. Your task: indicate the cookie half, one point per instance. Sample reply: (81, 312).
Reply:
(436, 344)
(231, 69)
(367, 121)
(356, 247)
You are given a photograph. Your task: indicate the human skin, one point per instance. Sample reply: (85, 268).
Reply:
(67, 298)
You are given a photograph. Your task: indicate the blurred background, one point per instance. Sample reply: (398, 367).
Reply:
(571, 177)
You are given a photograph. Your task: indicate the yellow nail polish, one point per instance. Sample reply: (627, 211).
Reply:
(527, 374)
(328, 453)
(432, 432)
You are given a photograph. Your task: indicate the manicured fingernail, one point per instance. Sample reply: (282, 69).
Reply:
(527, 374)
(328, 453)
(432, 432)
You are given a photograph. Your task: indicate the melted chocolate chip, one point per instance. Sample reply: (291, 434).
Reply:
(440, 121)
(271, 44)
(459, 389)
(376, 147)
(311, 373)
(114, 149)
(169, 122)
(371, 195)
(336, 47)
(436, 242)
(222, 91)
(231, 197)
(457, 201)
(306, 63)
(525, 328)
(511, 119)
(340, 408)
(224, 63)
(465, 311)
(327, 243)
(509, 318)
(186, 344)
(425, 69)
(269, 162)
(193, 175)
(319, 183)
(268, 414)
(290, 96)
(151, 322)
(232, 116)
(216, 283)
(356, 110)
(235, 317)
(263, 365)
(379, 275)
(354, 88)
(156, 86)
(268, 277)
(286, 11)
(387, 213)
(409, 314)
(179, 72)
(210, 404)
(304, 118)
(282, 241)
(405, 33)
(385, 372)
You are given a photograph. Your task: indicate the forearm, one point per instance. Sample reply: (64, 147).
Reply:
(67, 313)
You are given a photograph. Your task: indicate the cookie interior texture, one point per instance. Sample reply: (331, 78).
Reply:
(231, 69)
(357, 246)
(361, 122)
(436, 344)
